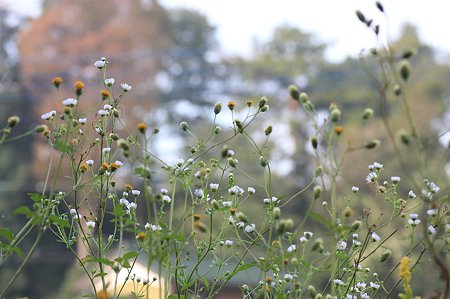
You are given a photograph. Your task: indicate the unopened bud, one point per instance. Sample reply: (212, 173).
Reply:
(309, 106)
(335, 115)
(312, 291)
(314, 142)
(123, 144)
(372, 144)
(409, 53)
(263, 161)
(268, 130)
(367, 113)
(262, 102)
(385, 255)
(304, 97)
(379, 6)
(13, 120)
(361, 17)
(184, 126)
(319, 170)
(114, 136)
(404, 137)
(397, 90)
(404, 69)
(356, 225)
(293, 92)
(217, 107)
(317, 191)
(264, 108)
(242, 217)
(40, 129)
(215, 204)
(276, 213)
(239, 125)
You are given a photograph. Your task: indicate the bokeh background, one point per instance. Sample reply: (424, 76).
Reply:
(183, 56)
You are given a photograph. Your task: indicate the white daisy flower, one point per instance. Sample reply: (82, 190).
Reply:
(249, 228)
(48, 115)
(109, 82)
(125, 87)
(292, 248)
(70, 102)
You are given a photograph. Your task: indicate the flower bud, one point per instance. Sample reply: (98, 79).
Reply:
(215, 204)
(314, 142)
(293, 92)
(317, 191)
(239, 125)
(404, 69)
(232, 162)
(319, 170)
(361, 17)
(142, 127)
(114, 136)
(184, 126)
(335, 115)
(123, 144)
(13, 120)
(79, 85)
(268, 130)
(217, 108)
(309, 106)
(57, 81)
(242, 217)
(348, 212)
(217, 130)
(312, 291)
(367, 113)
(231, 105)
(263, 161)
(276, 213)
(264, 108)
(372, 144)
(339, 130)
(356, 225)
(404, 137)
(409, 53)
(262, 102)
(385, 255)
(304, 97)
(397, 90)
(379, 6)
(40, 129)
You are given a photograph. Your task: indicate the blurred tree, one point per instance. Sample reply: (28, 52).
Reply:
(188, 65)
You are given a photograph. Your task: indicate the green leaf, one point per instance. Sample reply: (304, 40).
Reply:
(319, 218)
(64, 148)
(244, 267)
(6, 233)
(54, 219)
(130, 255)
(23, 210)
(36, 197)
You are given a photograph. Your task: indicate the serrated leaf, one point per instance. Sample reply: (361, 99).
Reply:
(23, 210)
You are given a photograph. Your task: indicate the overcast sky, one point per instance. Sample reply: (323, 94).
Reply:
(238, 22)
